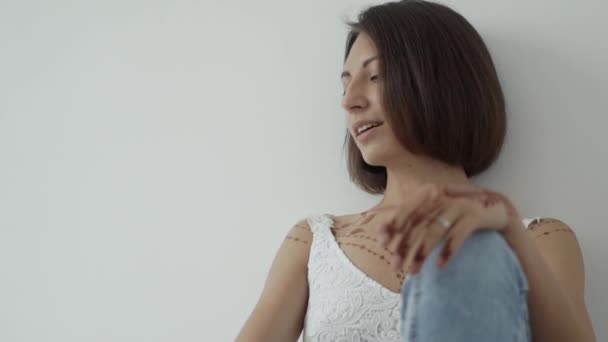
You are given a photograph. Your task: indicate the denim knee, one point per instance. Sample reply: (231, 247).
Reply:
(479, 295)
(484, 257)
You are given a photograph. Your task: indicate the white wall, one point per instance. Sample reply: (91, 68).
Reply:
(154, 153)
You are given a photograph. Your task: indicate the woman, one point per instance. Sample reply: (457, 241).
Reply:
(438, 259)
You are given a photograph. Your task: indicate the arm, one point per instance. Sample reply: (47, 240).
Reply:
(551, 258)
(280, 311)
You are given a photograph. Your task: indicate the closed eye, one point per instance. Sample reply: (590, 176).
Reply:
(373, 78)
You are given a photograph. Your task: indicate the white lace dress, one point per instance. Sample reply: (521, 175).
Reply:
(344, 303)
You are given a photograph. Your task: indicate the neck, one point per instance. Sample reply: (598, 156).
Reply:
(405, 177)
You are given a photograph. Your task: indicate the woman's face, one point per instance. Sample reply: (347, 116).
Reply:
(362, 101)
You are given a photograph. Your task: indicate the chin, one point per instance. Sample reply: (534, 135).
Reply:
(373, 159)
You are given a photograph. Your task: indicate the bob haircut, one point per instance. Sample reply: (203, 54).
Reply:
(439, 88)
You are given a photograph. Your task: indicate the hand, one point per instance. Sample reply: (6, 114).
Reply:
(412, 231)
(515, 224)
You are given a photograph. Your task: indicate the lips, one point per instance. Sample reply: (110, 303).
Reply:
(361, 124)
(369, 129)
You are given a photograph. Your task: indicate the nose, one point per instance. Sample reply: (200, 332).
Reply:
(354, 98)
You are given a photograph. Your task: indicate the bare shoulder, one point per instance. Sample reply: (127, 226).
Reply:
(297, 242)
(299, 236)
(554, 235)
(559, 245)
(549, 225)
(300, 232)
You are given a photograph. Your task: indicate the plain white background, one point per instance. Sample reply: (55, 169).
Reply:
(155, 153)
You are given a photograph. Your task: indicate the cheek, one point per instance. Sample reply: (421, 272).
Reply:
(376, 98)
(377, 103)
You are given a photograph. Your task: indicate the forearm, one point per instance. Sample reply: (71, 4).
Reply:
(553, 314)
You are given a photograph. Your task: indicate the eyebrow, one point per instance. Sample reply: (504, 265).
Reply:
(365, 63)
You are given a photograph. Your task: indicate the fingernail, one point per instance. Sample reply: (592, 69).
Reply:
(419, 255)
(447, 248)
(446, 252)
(442, 262)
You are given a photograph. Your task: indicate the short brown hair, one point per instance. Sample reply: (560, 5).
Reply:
(439, 89)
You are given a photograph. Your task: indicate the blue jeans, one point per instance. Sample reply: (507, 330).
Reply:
(480, 295)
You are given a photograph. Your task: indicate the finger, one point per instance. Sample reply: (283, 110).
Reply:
(461, 231)
(405, 245)
(394, 243)
(391, 238)
(384, 231)
(423, 221)
(411, 223)
(428, 205)
(393, 232)
(421, 254)
(387, 233)
(410, 235)
(421, 198)
(419, 257)
(414, 248)
(436, 232)
(407, 216)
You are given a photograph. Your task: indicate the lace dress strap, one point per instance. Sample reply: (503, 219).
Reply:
(320, 224)
(527, 221)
